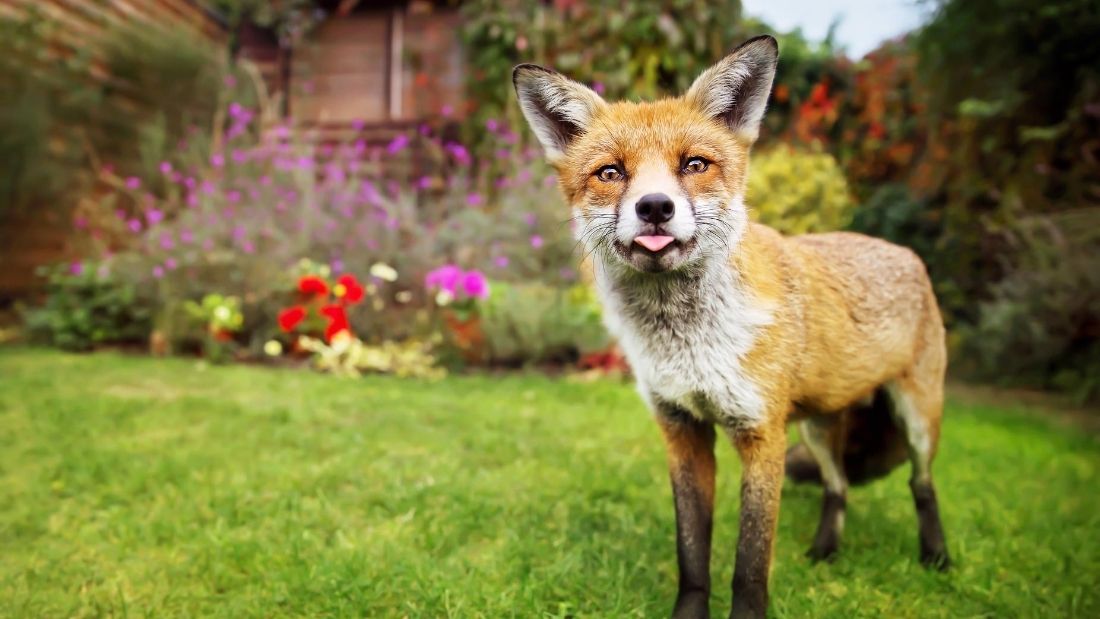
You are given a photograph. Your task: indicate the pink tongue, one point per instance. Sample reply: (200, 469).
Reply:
(654, 243)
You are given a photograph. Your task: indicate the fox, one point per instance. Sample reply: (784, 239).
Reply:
(730, 326)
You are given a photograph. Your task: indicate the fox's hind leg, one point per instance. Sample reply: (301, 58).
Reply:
(824, 437)
(917, 407)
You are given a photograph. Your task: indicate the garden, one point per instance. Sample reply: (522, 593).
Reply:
(274, 369)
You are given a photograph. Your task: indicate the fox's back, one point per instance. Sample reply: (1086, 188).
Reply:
(868, 311)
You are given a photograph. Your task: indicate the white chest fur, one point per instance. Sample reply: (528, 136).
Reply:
(686, 338)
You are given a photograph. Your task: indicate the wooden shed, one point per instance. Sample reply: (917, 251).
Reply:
(380, 65)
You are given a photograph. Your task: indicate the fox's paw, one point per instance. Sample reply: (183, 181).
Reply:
(693, 605)
(823, 552)
(935, 560)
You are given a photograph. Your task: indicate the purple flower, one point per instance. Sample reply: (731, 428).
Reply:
(235, 109)
(154, 217)
(475, 284)
(536, 241)
(217, 160)
(80, 222)
(158, 271)
(233, 196)
(492, 124)
(501, 262)
(598, 87)
(446, 111)
(165, 167)
(424, 129)
(444, 278)
(337, 265)
(397, 144)
(133, 182)
(76, 268)
(305, 163)
(208, 187)
(229, 81)
(171, 264)
(248, 247)
(473, 199)
(134, 225)
(166, 241)
(523, 175)
(358, 124)
(239, 156)
(265, 180)
(186, 236)
(423, 182)
(459, 152)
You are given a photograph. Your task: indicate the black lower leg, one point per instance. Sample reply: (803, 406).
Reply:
(827, 540)
(933, 547)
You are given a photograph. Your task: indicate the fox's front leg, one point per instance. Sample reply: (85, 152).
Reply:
(762, 454)
(691, 466)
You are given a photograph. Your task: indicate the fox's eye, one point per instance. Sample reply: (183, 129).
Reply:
(609, 173)
(695, 165)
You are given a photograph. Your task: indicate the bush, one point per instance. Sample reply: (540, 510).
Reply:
(797, 191)
(87, 306)
(537, 323)
(1042, 325)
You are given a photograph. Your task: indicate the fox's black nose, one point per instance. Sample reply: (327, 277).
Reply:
(655, 208)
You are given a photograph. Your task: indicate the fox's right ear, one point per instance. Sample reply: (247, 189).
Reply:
(736, 89)
(557, 108)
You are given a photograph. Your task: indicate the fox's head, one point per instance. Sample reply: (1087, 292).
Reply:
(655, 186)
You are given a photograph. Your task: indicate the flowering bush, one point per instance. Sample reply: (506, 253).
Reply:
(220, 318)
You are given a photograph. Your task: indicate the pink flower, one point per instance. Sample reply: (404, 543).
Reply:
(233, 196)
(166, 241)
(186, 236)
(598, 87)
(229, 81)
(444, 278)
(171, 264)
(423, 182)
(165, 167)
(133, 182)
(501, 262)
(154, 217)
(530, 219)
(446, 111)
(492, 124)
(76, 268)
(239, 156)
(217, 160)
(473, 199)
(358, 124)
(536, 241)
(80, 222)
(397, 144)
(475, 284)
(158, 271)
(134, 225)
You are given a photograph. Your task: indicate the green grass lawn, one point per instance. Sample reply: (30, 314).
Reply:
(139, 487)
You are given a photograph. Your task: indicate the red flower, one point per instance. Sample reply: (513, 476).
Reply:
(290, 317)
(353, 289)
(337, 320)
(313, 285)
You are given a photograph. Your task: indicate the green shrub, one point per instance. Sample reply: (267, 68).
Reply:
(87, 307)
(798, 191)
(1041, 327)
(537, 323)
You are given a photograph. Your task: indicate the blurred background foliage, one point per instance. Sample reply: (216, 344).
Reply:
(974, 140)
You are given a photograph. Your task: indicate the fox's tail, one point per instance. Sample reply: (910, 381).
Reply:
(874, 445)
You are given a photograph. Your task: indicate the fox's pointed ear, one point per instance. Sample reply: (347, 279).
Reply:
(557, 108)
(736, 89)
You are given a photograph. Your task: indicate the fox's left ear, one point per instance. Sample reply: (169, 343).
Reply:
(736, 89)
(557, 108)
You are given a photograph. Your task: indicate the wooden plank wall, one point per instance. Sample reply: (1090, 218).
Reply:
(40, 236)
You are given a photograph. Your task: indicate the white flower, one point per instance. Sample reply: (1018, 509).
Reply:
(383, 271)
(443, 298)
(273, 348)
